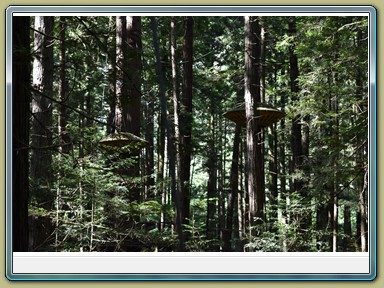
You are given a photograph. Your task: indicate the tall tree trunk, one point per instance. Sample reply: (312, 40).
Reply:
(121, 92)
(132, 108)
(64, 137)
(128, 93)
(62, 120)
(133, 73)
(241, 201)
(273, 172)
(41, 133)
(149, 151)
(347, 228)
(303, 218)
(221, 193)
(176, 115)
(335, 188)
(363, 212)
(362, 182)
(212, 176)
(128, 102)
(111, 99)
(171, 154)
(283, 178)
(20, 132)
(260, 47)
(296, 144)
(250, 108)
(186, 116)
(272, 137)
(255, 175)
(160, 179)
(234, 188)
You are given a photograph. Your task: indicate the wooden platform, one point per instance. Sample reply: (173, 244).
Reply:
(265, 115)
(123, 142)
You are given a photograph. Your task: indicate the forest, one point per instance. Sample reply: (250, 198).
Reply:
(190, 133)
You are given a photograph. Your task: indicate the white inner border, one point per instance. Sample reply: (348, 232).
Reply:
(200, 262)
(187, 262)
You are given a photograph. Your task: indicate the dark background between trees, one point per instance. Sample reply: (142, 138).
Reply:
(202, 183)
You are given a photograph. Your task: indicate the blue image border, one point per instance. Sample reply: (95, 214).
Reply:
(201, 9)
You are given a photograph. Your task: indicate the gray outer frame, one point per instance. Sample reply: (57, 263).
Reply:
(188, 10)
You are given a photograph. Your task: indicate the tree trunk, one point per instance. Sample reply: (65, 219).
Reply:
(322, 225)
(272, 141)
(283, 178)
(364, 215)
(62, 120)
(273, 172)
(20, 132)
(234, 189)
(41, 132)
(128, 94)
(241, 201)
(149, 151)
(212, 177)
(303, 217)
(41, 138)
(171, 154)
(250, 108)
(362, 184)
(176, 116)
(186, 116)
(296, 144)
(160, 179)
(259, 98)
(121, 92)
(347, 229)
(64, 138)
(221, 193)
(111, 98)
(255, 175)
(133, 74)
(132, 108)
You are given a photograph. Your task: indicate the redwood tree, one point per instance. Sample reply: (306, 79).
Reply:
(186, 116)
(41, 133)
(128, 91)
(255, 178)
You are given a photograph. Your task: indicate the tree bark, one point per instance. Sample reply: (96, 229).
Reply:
(132, 108)
(212, 177)
(255, 178)
(42, 109)
(234, 188)
(250, 108)
(171, 154)
(362, 185)
(347, 228)
(176, 118)
(303, 218)
(41, 132)
(62, 120)
(149, 151)
(121, 92)
(133, 74)
(186, 116)
(64, 137)
(128, 93)
(296, 143)
(111, 99)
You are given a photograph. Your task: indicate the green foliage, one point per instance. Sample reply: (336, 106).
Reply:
(92, 185)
